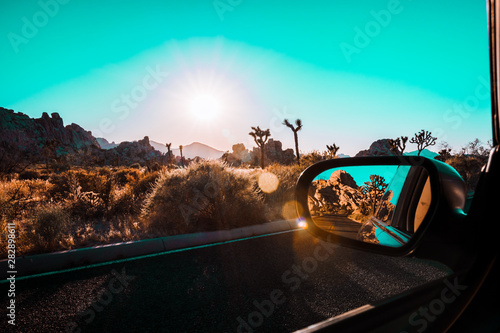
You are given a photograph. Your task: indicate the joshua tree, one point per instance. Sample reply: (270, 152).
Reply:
(374, 189)
(398, 145)
(182, 158)
(295, 129)
(169, 154)
(49, 151)
(423, 139)
(332, 150)
(260, 137)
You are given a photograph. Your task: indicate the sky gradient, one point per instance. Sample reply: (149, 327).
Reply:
(206, 71)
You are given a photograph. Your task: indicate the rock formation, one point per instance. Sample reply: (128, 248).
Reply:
(273, 153)
(341, 196)
(378, 148)
(20, 132)
(26, 140)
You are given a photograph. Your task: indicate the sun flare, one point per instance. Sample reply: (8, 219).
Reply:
(204, 106)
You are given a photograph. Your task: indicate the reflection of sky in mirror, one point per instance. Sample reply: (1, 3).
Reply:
(394, 175)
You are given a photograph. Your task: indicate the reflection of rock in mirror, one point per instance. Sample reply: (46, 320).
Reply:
(363, 202)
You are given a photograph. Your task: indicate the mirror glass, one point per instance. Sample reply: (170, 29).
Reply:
(380, 204)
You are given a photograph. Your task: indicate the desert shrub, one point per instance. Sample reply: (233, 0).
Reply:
(207, 195)
(87, 194)
(135, 166)
(50, 225)
(90, 181)
(126, 176)
(99, 182)
(144, 184)
(20, 197)
(29, 175)
(104, 171)
(61, 164)
(124, 203)
(469, 167)
(154, 166)
(309, 159)
(84, 204)
(61, 183)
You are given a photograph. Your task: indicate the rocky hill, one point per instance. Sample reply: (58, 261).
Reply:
(25, 140)
(32, 134)
(127, 153)
(378, 148)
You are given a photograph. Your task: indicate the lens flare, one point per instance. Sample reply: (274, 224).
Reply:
(291, 210)
(268, 182)
(301, 223)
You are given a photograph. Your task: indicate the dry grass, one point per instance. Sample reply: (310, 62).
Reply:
(87, 207)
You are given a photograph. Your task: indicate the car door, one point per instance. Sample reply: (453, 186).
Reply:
(465, 301)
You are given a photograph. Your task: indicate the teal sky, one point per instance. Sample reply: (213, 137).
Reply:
(184, 71)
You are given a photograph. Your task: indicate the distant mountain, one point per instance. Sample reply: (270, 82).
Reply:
(191, 151)
(158, 146)
(105, 144)
(425, 153)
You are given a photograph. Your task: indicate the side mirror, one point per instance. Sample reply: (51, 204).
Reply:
(383, 204)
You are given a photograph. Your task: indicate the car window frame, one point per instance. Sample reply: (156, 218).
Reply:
(494, 32)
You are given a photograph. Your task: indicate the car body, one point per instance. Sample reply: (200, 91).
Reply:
(465, 239)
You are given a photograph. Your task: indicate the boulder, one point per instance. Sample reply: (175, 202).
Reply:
(378, 148)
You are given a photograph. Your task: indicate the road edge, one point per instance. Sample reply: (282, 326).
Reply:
(44, 263)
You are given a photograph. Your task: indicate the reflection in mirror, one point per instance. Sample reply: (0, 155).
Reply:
(381, 204)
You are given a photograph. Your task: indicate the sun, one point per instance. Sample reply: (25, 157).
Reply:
(204, 106)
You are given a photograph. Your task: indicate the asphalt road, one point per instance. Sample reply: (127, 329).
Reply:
(277, 283)
(341, 225)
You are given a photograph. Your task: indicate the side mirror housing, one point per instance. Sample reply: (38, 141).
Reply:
(390, 204)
